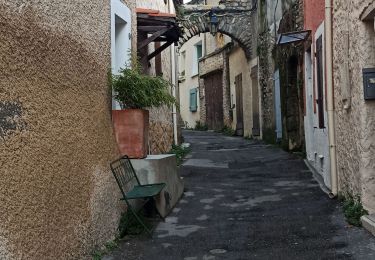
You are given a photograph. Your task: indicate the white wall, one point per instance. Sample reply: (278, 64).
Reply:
(189, 81)
(317, 145)
(120, 40)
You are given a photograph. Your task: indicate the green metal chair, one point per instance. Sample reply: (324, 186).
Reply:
(127, 179)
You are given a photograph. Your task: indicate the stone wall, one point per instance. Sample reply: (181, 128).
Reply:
(355, 126)
(287, 16)
(58, 196)
(161, 120)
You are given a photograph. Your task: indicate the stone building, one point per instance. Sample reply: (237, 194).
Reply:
(226, 56)
(163, 121)
(353, 56)
(281, 74)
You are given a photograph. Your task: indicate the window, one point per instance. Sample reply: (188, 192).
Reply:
(193, 100)
(182, 63)
(197, 55)
(319, 80)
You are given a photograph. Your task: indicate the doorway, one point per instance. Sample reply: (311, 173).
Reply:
(213, 86)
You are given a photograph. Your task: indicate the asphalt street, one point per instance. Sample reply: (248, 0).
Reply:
(248, 200)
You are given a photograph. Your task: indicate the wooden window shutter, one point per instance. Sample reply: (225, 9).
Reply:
(193, 100)
(320, 83)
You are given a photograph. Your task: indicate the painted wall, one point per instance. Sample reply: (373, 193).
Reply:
(58, 196)
(238, 64)
(317, 143)
(355, 117)
(189, 81)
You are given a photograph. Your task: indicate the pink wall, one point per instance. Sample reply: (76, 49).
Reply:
(314, 14)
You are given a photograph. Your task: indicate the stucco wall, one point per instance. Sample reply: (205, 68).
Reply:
(316, 139)
(238, 64)
(355, 127)
(189, 81)
(58, 197)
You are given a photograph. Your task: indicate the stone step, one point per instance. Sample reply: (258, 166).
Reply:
(368, 222)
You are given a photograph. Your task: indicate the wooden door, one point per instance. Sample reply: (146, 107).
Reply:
(239, 105)
(214, 101)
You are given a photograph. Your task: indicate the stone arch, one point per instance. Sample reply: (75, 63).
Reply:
(235, 20)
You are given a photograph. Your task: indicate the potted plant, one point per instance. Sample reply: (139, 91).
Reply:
(136, 92)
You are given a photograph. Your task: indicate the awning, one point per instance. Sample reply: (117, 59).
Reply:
(293, 37)
(159, 27)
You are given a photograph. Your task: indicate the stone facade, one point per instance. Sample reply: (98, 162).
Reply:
(234, 16)
(354, 117)
(286, 16)
(58, 196)
(161, 119)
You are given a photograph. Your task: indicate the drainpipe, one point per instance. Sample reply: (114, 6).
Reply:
(330, 97)
(174, 77)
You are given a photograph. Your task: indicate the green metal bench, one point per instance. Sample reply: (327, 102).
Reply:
(127, 179)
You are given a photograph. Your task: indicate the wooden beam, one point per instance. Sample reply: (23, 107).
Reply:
(159, 50)
(149, 28)
(153, 37)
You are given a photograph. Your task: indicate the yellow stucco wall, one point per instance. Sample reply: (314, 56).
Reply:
(57, 196)
(355, 127)
(239, 64)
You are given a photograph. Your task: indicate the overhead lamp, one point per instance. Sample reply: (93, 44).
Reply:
(214, 22)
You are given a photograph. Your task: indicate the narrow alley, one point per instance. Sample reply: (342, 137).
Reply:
(248, 200)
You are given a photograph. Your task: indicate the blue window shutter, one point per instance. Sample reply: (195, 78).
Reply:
(193, 100)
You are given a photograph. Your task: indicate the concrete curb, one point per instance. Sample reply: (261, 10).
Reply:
(317, 177)
(368, 222)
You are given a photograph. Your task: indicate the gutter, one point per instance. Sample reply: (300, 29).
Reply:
(330, 98)
(174, 72)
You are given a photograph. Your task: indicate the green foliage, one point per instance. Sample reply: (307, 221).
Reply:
(107, 248)
(353, 210)
(136, 90)
(248, 137)
(130, 226)
(200, 126)
(180, 152)
(227, 130)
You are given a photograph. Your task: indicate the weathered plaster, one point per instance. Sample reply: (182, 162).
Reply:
(238, 64)
(355, 127)
(58, 198)
(189, 81)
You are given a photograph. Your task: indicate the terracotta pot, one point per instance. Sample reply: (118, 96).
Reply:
(131, 131)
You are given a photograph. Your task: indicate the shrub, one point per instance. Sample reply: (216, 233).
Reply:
(200, 126)
(353, 210)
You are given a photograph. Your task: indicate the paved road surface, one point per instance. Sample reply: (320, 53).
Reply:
(247, 200)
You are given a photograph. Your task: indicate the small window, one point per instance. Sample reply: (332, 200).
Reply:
(198, 54)
(199, 51)
(193, 100)
(182, 63)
